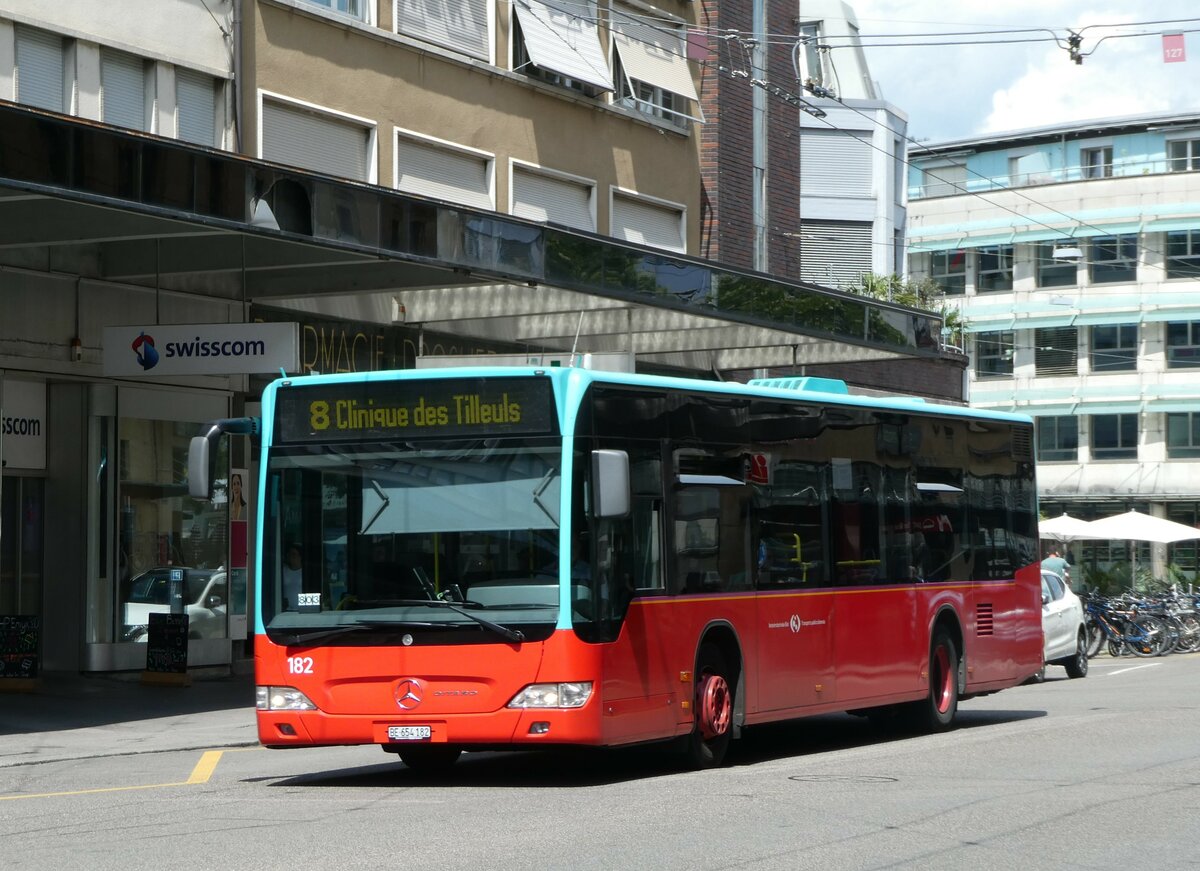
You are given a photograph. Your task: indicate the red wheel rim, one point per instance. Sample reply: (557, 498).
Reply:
(714, 708)
(941, 678)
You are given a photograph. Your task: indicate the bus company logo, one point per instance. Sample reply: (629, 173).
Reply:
(143, 347)
(409, 693)
(794, 623)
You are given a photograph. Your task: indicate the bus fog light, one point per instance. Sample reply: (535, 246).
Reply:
(281, 699)
(553, 695)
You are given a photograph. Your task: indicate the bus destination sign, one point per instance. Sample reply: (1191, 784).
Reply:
(436, 408)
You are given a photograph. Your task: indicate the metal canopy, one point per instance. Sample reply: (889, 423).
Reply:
(109, 205)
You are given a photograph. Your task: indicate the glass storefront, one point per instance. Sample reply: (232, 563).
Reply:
(21, 508)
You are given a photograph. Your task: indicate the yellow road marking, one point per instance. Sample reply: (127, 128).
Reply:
(200, 774)
(204, 768)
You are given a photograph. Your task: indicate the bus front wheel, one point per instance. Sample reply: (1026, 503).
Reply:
(713, 710)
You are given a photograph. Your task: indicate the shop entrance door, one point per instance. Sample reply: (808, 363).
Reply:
(22, 502)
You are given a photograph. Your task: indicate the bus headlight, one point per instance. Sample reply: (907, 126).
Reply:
(553, 695)
(281, 699)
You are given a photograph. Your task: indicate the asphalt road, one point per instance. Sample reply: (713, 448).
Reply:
(1099, 773)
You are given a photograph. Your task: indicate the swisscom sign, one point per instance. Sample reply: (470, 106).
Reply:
(201, 349)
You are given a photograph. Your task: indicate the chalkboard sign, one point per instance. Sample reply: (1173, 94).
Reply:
(167, 643)
(19, 636)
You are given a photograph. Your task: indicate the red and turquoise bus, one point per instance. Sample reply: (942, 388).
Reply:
(501, 558)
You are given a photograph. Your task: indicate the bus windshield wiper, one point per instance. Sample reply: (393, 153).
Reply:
(314, 636)
(504, 631)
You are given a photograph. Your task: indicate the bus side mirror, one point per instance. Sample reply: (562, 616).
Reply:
(610, 483)
(200, 470)
(201, 453)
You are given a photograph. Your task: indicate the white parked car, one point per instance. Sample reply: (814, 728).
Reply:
(205, 596)
(1063, 627)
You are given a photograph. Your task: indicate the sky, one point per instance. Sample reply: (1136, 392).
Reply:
(955, 91)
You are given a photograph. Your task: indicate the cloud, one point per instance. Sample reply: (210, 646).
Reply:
(956, 91)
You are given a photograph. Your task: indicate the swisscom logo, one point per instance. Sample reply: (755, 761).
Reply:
(143, 347)
(148, 355)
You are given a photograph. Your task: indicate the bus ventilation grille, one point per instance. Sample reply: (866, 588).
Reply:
(1022, 444)
(984, 622)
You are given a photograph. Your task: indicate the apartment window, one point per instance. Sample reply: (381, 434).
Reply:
(1113, 259)
(1114, 436)
(1184, 155)
(835, 253)
(1183, 436)
(1183, 254)
(445, 172)
(540, 195)
(1096, 162)
(1183, 345)
(122, 89)
(560, 44)
(813, 70)
(949, 269)
(994, 353)
(943, 179)
(1058, 438)
(39, 62)
(461, 25)
(310, 139)
(1114, 348)
(650, 67)
(196, 107)
(648, 222)
(1052, 271)
(1056, 350)
(353, 8)
(995, 268)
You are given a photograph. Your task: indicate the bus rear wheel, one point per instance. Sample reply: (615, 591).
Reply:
(713, 710)
(936, 712)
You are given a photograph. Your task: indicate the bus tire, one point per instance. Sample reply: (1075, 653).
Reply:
(712, 710)
(429, 758)
(936, 712)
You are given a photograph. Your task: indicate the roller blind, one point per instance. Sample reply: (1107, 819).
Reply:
(310, 140)
(834, 163)
(39, 68)
(196, 107)
(443, 173)
(462, 25)
(834, 254)
(540, 197)
(122, 89)
(647, 223)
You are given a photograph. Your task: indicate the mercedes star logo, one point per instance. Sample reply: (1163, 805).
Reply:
(408, 693)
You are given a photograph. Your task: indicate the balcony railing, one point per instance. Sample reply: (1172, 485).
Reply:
(941, 181)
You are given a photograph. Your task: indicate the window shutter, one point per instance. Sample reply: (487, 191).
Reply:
(653, 53)
(196, 107)
(835, 164)
(312, 141)
(39, 69)
(647, 223)
(540, 197)
(462, 25)
(443, 173)
(834, 254)
(563, 38)
(122, 89)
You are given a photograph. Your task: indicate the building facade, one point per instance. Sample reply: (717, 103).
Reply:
(1073, 253)
(390, 178)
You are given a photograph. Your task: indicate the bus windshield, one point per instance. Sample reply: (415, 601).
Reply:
(422, 537)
